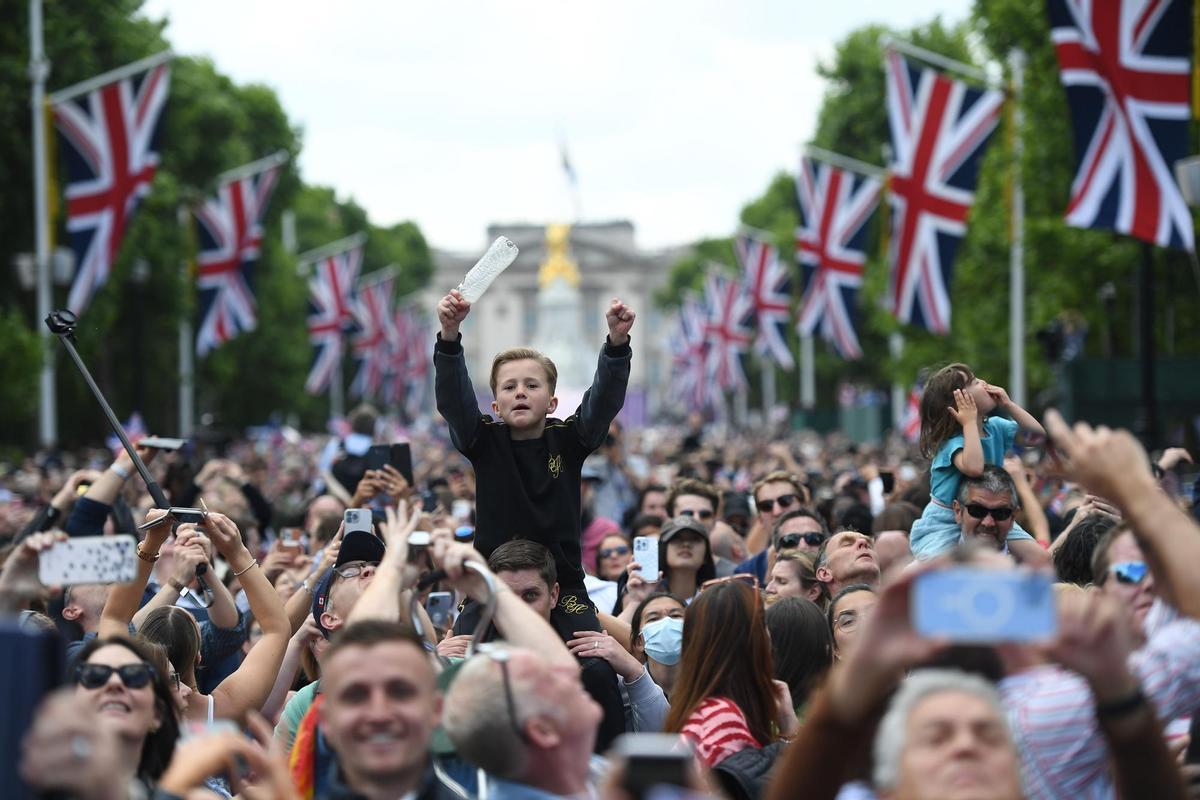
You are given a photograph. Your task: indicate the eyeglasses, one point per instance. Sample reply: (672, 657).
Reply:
(702, 514)
(740, 577)
(790, 541)
(353, 569)
(501, 656)
(785, 502)
(134, 676)
(1130, 573)
(847, 621)
(979, 512)
(619, 550)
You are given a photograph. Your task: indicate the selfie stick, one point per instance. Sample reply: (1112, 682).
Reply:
(62, 324)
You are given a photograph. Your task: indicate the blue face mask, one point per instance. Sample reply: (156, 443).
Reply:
(664, 640)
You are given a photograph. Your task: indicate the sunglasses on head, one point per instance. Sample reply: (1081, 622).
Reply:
(1129, 572)
(979, 512)
(702, 514)
(134, 676)
(792, 540)
(785, 502)
(619, 550)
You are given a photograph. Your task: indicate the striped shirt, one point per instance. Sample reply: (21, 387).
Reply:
(718, 729)
(1052, 711)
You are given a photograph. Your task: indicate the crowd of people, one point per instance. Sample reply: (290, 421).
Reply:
(545, 589)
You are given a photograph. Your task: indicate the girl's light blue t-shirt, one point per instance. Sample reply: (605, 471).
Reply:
(998, 436)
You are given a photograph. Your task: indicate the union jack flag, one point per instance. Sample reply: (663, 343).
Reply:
(690, 352)
(728, 337)
(331, 313)
(766, 283)
(1126, 67)
(939, 130)
(110, 146)
(229, 228)
(376, 334)
(835, 205)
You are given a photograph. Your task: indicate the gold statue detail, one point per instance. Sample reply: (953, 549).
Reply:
(558, 264)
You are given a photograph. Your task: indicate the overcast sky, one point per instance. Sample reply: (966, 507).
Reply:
(675, 114)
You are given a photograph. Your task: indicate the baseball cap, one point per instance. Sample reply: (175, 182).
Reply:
(356, 546)
(674, 527)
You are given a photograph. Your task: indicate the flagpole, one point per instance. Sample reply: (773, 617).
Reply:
(842, 162)
(187, 340)
(253, 168)
(808, 382)
(333, 248)
(888, 42)
(1016, 276)
(768, 390)
(39, 70)
(113, 75)
(899, 393)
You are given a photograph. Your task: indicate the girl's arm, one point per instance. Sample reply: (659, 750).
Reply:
(249, 687)
(969, 460)
(1023, 418)
(124, 598)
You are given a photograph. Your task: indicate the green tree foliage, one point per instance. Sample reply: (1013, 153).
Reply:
(129, 334)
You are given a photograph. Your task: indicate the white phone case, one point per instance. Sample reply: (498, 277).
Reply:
(645, 553)
(89, 559)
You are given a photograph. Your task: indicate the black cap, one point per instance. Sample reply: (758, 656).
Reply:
(674, 527)
(356, 546)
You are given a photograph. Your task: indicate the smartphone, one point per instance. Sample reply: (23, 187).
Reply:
(889, 481)
(652, 760)
(161, 443)
(461, 510)
(645, 553)
(438, 606)
(963, 604)
(291, 541)
(417, 542)
(399, 455)
(358, 519)
(89, 559)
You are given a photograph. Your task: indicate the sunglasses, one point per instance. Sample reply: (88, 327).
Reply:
(785, 502)
(705, 514)
(619, 550)
(979, 512)
(741, 577)
(792, 540)
(1130, 573)
(353, 569)
(134, 676)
